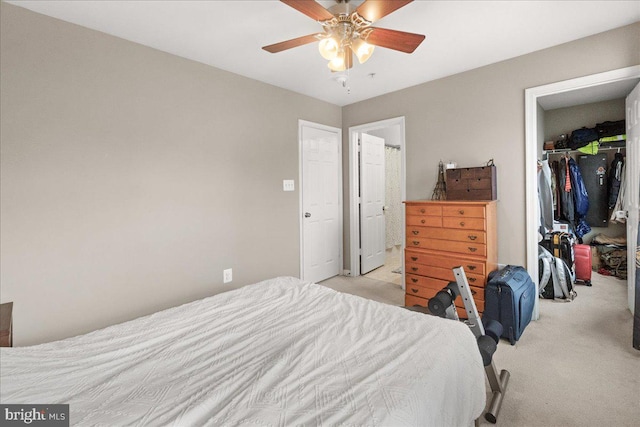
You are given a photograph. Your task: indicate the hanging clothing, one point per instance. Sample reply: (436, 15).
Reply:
(579, 191)
(567, 209)
(567, 183)
(557, 173)
(545, 195)
(618, 214)
(580, 199)
(615, 177)
(554, 185)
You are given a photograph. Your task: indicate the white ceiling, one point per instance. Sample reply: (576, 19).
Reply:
(598, 93)
(460, 35)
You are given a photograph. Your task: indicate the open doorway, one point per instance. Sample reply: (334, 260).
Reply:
(367, 187)
(575, 91)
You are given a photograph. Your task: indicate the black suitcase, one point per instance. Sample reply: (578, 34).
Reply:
(509, 298)
(560, 244)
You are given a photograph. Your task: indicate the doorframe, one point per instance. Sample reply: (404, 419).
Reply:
(354, 184)
(531, 152)
(338, 131)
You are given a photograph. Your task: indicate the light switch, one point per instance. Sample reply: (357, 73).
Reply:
(288, 185)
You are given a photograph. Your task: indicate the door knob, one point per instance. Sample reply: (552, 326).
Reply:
(307, 215)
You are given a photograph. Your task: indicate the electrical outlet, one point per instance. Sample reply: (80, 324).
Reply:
(227, 275)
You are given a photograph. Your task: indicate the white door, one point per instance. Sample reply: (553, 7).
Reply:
(632, 193)
(372, 186)
(321, 169)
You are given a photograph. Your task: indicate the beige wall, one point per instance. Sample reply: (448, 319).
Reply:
(565, 120)
(131, 178)
(479, 115)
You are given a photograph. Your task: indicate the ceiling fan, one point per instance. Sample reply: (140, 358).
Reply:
(348, 31)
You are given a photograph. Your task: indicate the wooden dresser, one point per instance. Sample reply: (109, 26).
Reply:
(446, 234)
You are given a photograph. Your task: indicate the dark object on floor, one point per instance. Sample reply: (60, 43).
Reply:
(555, 279)
(582, 254)
(560, 245)
(509, 298)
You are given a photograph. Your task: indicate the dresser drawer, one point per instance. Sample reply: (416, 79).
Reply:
(411, 301)
(441, 273)
(425, 220)
(422, 292)
(423, 209)
(464, 211)
(437, 260)
(473, 236)
(476, 249)
(426, 287)
(425, 282)
(464, 223)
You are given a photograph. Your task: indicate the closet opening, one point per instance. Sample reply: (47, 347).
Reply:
(552, 112)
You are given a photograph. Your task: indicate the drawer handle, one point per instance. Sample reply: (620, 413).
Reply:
(421, 210)
(461, 223)
(471, 267)
(461, 211)
(414, 280)
(415, 232)
(422, 221)
(414, 268)
(414, 258)
(414, 290)
(473, 249)
(473, 292)
(471, 279)
(415, 242)
(472, 237)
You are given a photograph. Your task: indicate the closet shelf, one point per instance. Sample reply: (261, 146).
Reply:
(569, 150)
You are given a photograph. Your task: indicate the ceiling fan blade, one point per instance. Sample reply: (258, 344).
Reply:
(396, 40)
(299, 41)
(310, 8)
(373, 10)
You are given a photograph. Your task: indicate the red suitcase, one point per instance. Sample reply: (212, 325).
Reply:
(582, 259)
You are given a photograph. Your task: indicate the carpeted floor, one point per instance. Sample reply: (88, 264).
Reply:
(575, 366)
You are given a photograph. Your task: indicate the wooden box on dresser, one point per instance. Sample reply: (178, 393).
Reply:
(446, 234)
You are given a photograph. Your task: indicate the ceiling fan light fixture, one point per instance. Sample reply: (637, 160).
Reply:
(362, 49)
(348, 31)
(338, 63)
(328, 48)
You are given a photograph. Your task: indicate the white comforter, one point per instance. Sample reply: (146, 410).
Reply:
(277, 353)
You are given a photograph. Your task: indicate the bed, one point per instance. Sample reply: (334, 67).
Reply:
(281, 352)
